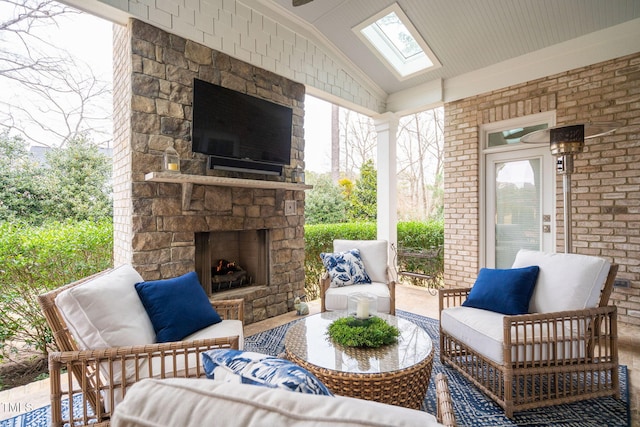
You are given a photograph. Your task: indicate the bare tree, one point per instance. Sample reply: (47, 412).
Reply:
(19, 28)
(335, 143)
(63, 99)
(421, 157)
(359, 140)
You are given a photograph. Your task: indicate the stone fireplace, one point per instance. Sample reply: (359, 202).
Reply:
(169, 224)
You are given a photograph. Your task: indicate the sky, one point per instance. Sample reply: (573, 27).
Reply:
(89, 38)
(317, 135)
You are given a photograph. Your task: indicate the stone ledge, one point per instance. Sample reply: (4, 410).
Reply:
(237, 293)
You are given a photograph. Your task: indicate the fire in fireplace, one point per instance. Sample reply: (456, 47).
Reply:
(228, 275)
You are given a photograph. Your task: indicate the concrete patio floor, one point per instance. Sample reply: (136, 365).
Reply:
(408, 298)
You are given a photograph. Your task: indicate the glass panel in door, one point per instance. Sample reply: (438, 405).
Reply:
(518, 208)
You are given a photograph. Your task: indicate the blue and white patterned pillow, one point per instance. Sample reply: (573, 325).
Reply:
(260, 369)
(345, 268)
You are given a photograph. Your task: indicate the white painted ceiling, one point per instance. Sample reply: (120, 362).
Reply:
(483, 45)
(465, 35)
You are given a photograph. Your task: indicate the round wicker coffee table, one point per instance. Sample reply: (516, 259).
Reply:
(396, 374)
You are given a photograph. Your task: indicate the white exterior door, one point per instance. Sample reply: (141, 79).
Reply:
(518, 198)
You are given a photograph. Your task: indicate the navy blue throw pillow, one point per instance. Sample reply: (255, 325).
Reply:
(505, 291)
(177, 307)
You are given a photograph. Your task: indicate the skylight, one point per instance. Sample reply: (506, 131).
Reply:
(395, 40)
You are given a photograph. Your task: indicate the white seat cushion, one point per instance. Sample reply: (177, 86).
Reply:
(565, 281)
(482, 331)
(479, 329)
(226, 328)
(336, 299)
(106, 311)
(200, 402)
(373, 254)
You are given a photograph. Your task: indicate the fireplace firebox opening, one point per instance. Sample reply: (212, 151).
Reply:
(228, 260)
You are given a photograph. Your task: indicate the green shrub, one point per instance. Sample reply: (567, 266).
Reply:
(411, 236)
(414, 234)
(420, 250)
(35, 259)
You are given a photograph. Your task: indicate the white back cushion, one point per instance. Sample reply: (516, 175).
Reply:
(565, 281)
(200, 402)
(373, 254)
(106, 311)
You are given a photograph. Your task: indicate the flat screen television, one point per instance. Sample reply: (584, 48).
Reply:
(239, 131)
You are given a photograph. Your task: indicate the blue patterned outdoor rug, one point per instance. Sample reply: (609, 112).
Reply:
(41, 417)
(471, 406)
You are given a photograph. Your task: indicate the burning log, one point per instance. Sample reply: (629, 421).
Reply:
(228, 275)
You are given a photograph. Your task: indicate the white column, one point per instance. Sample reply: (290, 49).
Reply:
(387, 128)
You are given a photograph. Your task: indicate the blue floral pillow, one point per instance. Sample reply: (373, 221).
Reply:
(345, 268)
(260, 369)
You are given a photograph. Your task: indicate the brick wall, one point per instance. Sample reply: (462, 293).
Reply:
(606, 182)
(122, 203)
(154, 230)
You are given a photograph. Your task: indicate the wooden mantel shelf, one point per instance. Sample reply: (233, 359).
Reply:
(187, 182)
(222, 181)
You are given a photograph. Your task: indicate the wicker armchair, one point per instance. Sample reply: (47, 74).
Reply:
(547, 358)
(374, 255)
(97, 379)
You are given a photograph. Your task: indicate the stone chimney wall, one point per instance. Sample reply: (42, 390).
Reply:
(154, 227)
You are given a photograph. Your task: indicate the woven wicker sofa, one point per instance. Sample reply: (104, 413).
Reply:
(107, 343)
(563, 350)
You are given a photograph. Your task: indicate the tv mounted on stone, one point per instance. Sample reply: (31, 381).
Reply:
(240, 132)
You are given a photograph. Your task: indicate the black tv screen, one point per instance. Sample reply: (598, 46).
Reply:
(230, 124)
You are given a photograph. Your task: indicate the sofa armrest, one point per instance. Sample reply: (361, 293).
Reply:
(452, 297)
(230, 309)
(392, 293)
(445, 414)
(325, 284)
(96, 375)
(548, 339)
